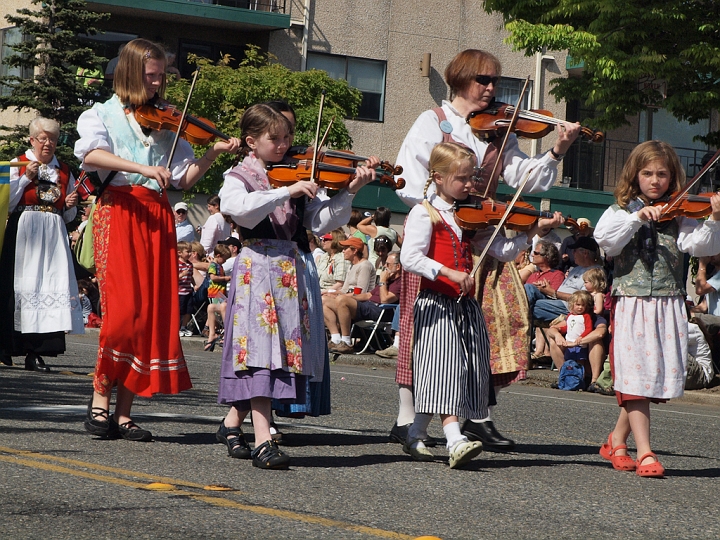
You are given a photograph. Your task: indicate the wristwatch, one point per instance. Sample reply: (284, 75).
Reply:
(382, 283)
(556, 156)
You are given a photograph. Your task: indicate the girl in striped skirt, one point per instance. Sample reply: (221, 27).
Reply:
(451, 368)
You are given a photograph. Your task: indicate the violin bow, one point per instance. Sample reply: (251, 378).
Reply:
(182, 121)
(675, 200)
(513, 121)
(313, 171)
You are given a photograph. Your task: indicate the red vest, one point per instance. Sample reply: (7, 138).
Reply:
(447, 249)
(29, 196)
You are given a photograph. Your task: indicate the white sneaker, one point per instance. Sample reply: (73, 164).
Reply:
(390, 352)
(463, 452)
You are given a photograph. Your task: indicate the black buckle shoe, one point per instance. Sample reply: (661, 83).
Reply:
(234, 438)
(33, 362)
(93, 425)
(398, 434)
(129, 431)
(269, 456)
(486, 433)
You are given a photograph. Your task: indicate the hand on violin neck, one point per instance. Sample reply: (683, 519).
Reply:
(303, 188)
(567, 132)
(231, 146)
(364, 174)
(545, 225)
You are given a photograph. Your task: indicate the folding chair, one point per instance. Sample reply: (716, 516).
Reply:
(376, 330)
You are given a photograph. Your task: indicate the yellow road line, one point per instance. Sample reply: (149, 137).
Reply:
(38, 461)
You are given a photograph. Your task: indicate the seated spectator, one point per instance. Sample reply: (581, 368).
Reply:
(382, 247)
(376, 225)
(234, 245)
(700, 371)
(315, 248)
(332, 266)
(545, 302)
(596, 285)
(342, 310)
(551, 237)
(595, 342)
(567, 256)
(216, 294)
(576, 326)
(184, 230)
(361, 276)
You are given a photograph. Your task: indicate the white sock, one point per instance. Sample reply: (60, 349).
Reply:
(418, 430)
(346, 339)
(453, 435)
(406, 410)
(481, 420)
(335, 338)
(396, 340)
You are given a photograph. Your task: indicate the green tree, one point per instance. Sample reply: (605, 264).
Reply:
(53, 50)
(622, 42)
(223, 93)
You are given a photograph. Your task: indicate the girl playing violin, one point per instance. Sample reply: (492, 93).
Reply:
(649, 316)
(451, 369)
(134, 236)
(268, 352)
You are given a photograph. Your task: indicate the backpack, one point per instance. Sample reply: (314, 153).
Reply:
(572, 376)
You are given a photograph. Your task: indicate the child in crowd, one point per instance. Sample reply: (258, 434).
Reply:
(216, 292)
(577, 325)
(595, 284)
(185, 286)
(85, 302)
(650, 325)
(451, 367)
(267, 330)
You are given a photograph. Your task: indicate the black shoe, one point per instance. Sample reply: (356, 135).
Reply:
(398, 434)
(235, 440)
(6, 359)
(129, 431)
(486, 433)
(34, 363)
(269, 456)
(99, 427)
(278, 436)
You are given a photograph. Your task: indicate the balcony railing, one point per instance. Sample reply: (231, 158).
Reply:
(274, 6)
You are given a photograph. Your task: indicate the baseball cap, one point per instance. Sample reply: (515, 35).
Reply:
(584, 222)
(327, 236)
(181, 206)
(585, 242)
(353, 242)
(231, 241)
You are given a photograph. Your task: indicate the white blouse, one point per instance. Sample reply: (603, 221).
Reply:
(413, 254)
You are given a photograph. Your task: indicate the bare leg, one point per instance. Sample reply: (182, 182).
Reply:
(261, 412)
(235, 418)
(638, 412)
(557, 353)
(330, 316)
(539, 343)
(621, 431)
(124, 403)
(596, 354)
(211, 309)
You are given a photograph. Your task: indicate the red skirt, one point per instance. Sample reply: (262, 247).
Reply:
(136, 262)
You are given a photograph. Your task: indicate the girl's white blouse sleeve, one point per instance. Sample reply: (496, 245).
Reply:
(248, 209)
(413, 254)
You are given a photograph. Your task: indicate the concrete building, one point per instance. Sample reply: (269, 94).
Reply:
(379, 47)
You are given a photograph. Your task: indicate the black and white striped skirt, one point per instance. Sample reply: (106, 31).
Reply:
(451, 356)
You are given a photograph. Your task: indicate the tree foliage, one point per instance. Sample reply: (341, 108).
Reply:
(622, 42)
(53, 50)
(223, 93)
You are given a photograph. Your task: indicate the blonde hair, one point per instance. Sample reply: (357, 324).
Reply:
(128, 82)
(582, 297)
(223, 251)
(596, 277)
(183, 245)
(628, 187)
(40, 124)
(445, 159)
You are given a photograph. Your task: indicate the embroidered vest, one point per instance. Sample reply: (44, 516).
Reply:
(130, 143)
(29, 196)
(447, 249)
(642, 271)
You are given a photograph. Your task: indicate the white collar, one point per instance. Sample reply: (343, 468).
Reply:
(30, 155)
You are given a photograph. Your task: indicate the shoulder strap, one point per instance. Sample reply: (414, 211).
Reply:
(105, 184)
(442, 117)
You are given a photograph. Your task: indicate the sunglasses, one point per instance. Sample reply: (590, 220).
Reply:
(485, 80)
(538, 253)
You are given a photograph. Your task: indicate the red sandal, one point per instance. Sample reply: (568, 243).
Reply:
(620, 463)
(651, 470)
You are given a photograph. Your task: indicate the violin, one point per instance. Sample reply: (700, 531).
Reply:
(328, 175)
(692, 206)
(534, 124)
(159, 114)
(476, 213)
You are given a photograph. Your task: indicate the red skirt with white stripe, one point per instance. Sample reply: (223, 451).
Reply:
(136, 262)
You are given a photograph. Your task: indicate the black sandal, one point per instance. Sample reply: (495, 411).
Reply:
(234, 438)
(269, 456)
(95, 426)
(130, 431)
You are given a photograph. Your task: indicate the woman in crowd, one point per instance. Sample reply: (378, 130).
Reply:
(332, 267)
(38, 290)
(216, 227)
(472, 77)
(139, 346)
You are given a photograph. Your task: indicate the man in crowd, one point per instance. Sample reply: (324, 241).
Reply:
(183, 229)
(235, 245)
(346, 308)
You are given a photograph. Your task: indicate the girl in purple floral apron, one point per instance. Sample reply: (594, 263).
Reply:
(267, 353)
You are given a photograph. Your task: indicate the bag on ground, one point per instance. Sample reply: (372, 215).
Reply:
(572, 376)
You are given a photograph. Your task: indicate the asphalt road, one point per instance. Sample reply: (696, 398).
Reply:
(345, 481)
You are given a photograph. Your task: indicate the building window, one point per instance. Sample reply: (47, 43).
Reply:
(366, 75)
(9, 37)
(508, 91)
